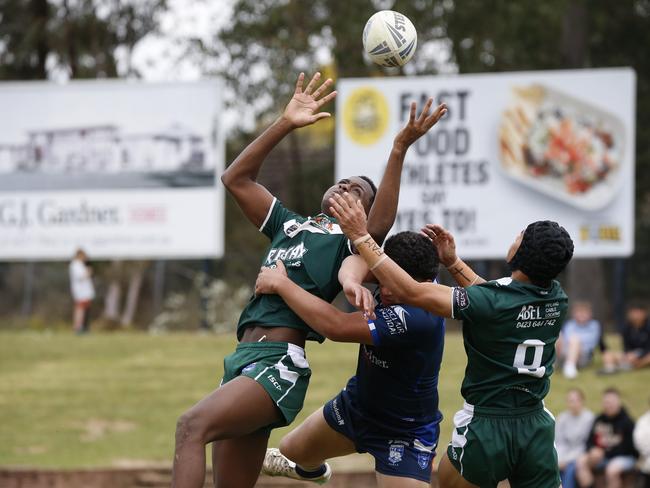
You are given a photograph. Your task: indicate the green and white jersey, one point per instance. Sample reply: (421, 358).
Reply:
(509, 333)
(312, 249)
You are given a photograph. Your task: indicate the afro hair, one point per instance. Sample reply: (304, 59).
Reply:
(415, 254)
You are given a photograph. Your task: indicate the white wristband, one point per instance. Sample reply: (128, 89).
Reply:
(361, 239)
(381, 260)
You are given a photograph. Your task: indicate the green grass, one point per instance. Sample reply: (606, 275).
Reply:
(110, 399)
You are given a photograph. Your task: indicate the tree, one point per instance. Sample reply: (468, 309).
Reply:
(80, 38)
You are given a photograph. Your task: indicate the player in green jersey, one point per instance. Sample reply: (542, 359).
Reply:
(266, 378)
(510, 327)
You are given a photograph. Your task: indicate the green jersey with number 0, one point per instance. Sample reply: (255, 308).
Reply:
(509, 332)
(312, 249)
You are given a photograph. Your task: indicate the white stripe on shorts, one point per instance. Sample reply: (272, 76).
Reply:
(462, 418)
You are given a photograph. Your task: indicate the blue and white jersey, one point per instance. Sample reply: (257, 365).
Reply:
(397, 377)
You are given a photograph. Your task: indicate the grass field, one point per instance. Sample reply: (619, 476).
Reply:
(113, 399)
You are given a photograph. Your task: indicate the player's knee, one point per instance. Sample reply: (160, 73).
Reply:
(582, 462)
(183, 427)
(189, 427)
(612, 471)
(574, 340)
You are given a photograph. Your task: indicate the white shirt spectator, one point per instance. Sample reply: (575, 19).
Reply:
(642, 441)
(571, 432)
(81, 283)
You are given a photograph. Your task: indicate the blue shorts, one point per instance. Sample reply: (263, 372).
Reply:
(406, 453)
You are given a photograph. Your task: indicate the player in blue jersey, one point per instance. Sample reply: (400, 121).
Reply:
(390, 407)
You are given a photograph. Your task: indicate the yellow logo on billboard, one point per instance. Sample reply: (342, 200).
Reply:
(600, 233)
(365, 115)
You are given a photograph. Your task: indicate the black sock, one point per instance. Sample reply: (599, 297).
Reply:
(320, 471)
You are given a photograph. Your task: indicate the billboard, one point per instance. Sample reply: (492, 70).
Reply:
(121, 169)
(513, 148)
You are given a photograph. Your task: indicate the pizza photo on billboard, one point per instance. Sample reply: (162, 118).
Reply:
(561, 146)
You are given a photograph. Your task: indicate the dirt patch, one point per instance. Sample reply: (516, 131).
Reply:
(33, 450)
(139, 464)
(95, 429)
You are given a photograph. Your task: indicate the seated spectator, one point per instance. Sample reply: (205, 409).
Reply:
(579, 338)
(636, 337)
(642, 444)
(571, 431)
(636, 342)
(610, 446)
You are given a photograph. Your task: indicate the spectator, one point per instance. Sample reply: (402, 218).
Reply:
(610, 445)
(579, 338)
(636, 337)
(83, 291)
(642, 443)
(571, 431)
(636, 342)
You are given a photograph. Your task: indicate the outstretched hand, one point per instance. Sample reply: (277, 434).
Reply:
(269, 278)
(303, 108)
(350, 214)
(417, 127)
(444, 242)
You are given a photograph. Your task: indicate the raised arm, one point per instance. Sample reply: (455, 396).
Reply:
(240, 178)
(321, 316)
(429, 296)
(384, 209)
(446, 247)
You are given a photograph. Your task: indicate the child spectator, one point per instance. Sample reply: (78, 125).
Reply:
(579, 338)
(571, 431)
(642, 444)
(610, 445)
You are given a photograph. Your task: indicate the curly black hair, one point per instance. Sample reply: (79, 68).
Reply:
(372, 186)
(545, 250)
(415, 254)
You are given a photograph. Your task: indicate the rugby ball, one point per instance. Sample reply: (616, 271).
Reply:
(389, 39)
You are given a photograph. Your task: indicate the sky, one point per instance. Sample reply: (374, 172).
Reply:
(157, 55)
(160, 57)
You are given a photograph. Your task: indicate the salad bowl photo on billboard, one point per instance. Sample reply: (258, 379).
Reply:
(562, 147)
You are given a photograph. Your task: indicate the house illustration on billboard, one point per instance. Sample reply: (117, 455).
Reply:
(105, 149)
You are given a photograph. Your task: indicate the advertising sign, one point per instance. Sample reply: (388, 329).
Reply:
(513, 148)
(121, 169)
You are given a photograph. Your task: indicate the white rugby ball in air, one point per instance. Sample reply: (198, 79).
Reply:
(390, 39)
